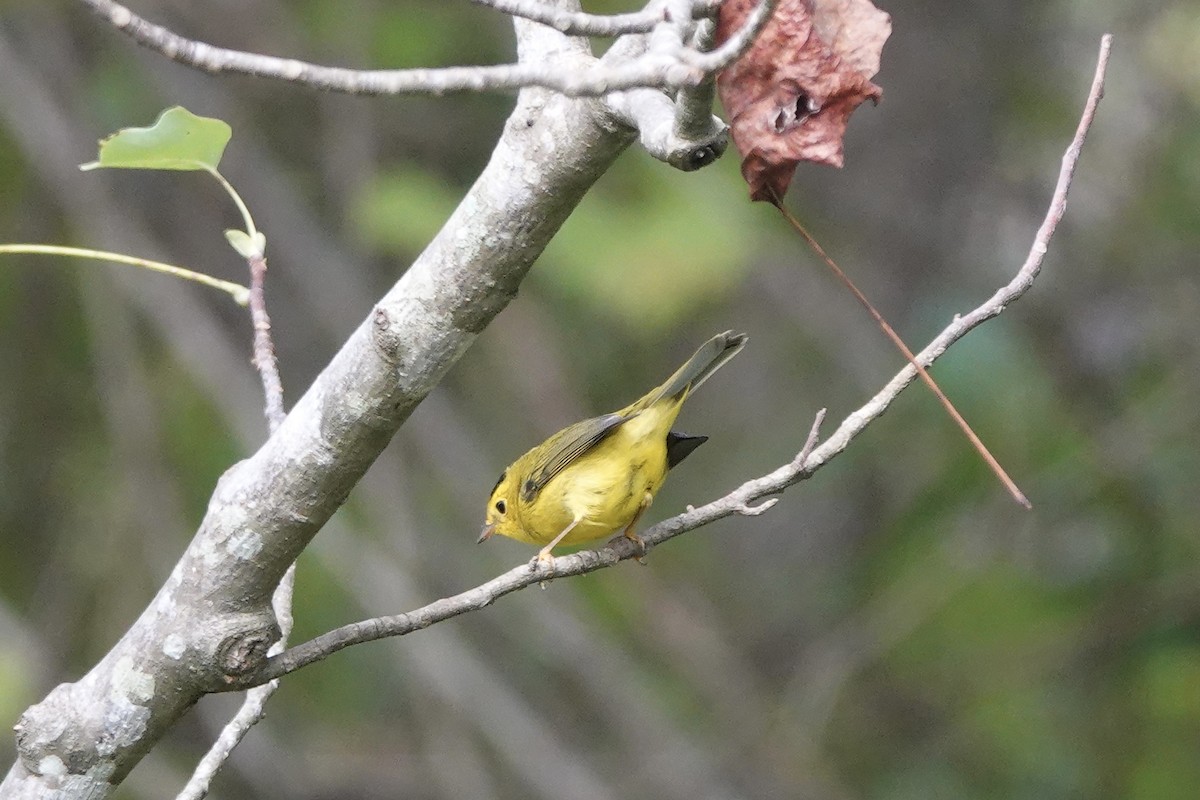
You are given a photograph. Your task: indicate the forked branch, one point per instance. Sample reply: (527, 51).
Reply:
(668, 68)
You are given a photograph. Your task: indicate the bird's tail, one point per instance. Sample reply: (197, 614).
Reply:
(710, 357)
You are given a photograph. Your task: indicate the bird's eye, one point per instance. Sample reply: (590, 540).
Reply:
(500, 506)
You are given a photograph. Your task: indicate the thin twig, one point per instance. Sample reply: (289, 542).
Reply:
(735, 46)
(814, 436)
(810, 459)
(253, 707)
(666, 71)
(577, 23)
(264, 349)
(1007, 294)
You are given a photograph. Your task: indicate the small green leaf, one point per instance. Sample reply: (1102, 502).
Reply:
(177, 140)
(246, 245)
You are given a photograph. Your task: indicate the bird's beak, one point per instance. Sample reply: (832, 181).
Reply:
(486, 533)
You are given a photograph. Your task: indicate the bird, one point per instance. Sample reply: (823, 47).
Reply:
(600, 475)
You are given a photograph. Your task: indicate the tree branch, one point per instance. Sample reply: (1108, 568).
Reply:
(607, 25)
(694, 104)
(212, 619)
(254, 706)
(264, 349)
(741, 500)
(682, 132)
(577, 23)
(716, 60)
(587, 77)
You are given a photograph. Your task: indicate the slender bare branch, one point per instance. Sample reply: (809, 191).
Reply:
(740, 501)
(575, 23)
(733, 48)
(958, 419)
(254, 706)
(814, 436)
(586, 78)
(264, 349)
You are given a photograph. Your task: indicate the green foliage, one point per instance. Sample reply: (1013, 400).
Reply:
(621, 256)
(403, 38)
(399, 211)
(178, 140)
(1169, 686)
(638, 253)
(16, 677)
(197, 444)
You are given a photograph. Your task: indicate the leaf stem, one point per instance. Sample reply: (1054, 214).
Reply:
(240, 294)
(237, 199)
(924, 375)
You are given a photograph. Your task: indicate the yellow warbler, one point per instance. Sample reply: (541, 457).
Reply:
(600, 475)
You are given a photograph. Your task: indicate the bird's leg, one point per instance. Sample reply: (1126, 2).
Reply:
(629, 533)
(544, 558)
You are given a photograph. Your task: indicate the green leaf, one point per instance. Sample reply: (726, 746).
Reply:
(177, 140)
(246, 245)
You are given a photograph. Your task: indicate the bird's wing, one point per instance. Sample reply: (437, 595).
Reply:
(566, 447)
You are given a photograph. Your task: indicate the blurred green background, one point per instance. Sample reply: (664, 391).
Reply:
(896, 628)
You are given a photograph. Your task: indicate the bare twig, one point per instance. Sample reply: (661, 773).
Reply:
(264, 348)
(585, 79)
(1009, 293)
(683, 133)
(253, 707)
(734, 47)
(810, 458)
(814, 436)
(578, 23)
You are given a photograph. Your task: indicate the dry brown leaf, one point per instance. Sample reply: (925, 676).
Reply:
(790, 96)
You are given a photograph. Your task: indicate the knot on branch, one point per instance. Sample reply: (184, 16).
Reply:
(682, 133)
(245, 651)
(690, 159)
(384, 335)
(747, 510)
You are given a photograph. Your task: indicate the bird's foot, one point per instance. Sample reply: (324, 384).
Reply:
(542, 562)
(639, 544)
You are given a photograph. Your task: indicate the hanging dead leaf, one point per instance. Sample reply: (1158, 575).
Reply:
(789, 98)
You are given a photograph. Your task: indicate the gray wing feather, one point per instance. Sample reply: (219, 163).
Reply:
(567, 447)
